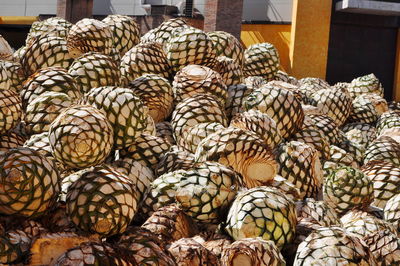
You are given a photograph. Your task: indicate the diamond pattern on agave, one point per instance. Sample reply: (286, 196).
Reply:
(196, 79)
(333, 246)
(207, 191)
(81, 136)
(30, 183)
(260, 124)
(90, 35)
(281, 105)
(43, 110)
(261, 59)
(262, 212)
(101, 201)
(386, 179)
(156, 93)
(200, 108)
(346, 188)
(242, 150)
(365, 84)
(125, 30)
(299, 164)
(124, 110)
(54, 79)
(252, 251)
(144, 58)
(192, 136)
(10, 110)
(54, 26)
(46, 51)
(190, 46)
(230, 71)
(92, 70)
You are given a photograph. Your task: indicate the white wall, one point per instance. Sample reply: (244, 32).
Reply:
(274, 10)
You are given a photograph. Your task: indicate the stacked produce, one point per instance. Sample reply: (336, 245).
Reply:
(180, 147)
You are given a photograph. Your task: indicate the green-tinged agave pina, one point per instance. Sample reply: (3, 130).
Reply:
(262, 212)
(81, 136)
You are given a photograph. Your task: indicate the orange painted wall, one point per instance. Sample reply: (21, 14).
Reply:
(278, 35)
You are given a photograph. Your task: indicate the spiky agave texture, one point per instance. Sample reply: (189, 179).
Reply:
(139, 174)
(93, 69)
(363, 224)
(173, 160)
(200, 108)
(54, 26)
(166, 30)
(281, 105)
(91, 253)
(385, 247)
(384, 149)
(162, 191)
(10, 110)
(334, 103)
(11, 140)
(30, 183)
(333, 246)
(237, 95)
(54, 79)
(145, 246)
(190, 46)
(170, 223)
(156, 93)
(365, 84)
(125, 30)
(207, 191)
(346, 188)
(299, 164)
(261, 60)
(11, 76)
(262, 212)
(260, 124)
(81, 136)
(387, 120)
(196, 79)
(242, 150)
(6, 51)
(386, 179)
(391, 211)
(124, 110)
(230, 71)
(90, 35)
(328, 126)
(108, 192)
(314, 137)
(192, 136)
(360, 133)
(227, 45)
(44, 109)
(367, 108)
(46, 51)
(144, 58)
(317, 212)
(146, 149)
(253, 251)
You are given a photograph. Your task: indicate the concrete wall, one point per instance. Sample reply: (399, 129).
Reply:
(254, 10)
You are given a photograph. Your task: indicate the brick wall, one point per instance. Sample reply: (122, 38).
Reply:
(225, 15)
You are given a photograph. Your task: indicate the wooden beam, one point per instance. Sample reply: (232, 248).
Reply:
(74, 10)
